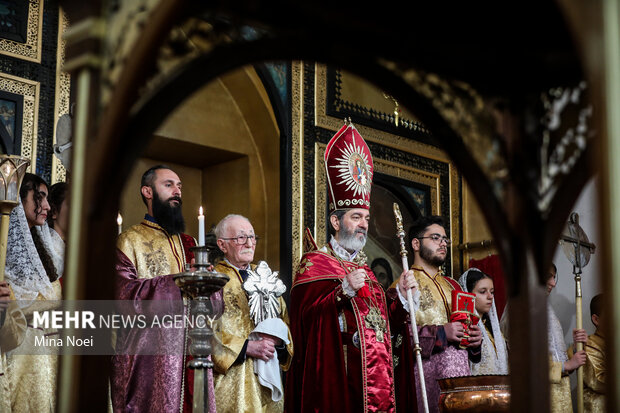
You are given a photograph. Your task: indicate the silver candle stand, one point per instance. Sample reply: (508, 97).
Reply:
(199, 284)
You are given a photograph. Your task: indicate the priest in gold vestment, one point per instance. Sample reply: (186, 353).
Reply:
(149, 253)
(439, 338)
(237, 385)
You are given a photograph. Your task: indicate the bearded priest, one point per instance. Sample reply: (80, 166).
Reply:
(149, 253)
(339, 313)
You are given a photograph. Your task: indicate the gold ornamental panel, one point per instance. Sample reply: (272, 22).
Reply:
(29, 90)
(31, 49)
(63, 92)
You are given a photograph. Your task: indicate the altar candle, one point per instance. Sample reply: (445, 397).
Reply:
(201, 228)
(119, 222)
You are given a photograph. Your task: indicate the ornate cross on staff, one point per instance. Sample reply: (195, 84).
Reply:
(577, 249)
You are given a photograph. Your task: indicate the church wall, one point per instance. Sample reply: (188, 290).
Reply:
(220, 199)
(133, 209)
(475, 228)
(226, 135)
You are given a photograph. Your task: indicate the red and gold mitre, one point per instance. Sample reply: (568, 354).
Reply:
(349, 167)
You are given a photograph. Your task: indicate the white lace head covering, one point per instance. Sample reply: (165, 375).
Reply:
(555, 334)
(24, 270)
(494, 360)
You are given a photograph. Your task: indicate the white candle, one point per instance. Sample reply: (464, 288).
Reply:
(119, 222)
(201, 228)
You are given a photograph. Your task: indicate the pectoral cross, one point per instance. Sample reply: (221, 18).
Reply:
(375, 321)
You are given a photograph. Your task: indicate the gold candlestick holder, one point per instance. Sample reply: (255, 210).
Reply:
(12, 171)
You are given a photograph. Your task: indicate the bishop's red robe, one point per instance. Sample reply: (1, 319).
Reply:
(329, 373)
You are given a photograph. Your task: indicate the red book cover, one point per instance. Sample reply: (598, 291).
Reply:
(463, 310)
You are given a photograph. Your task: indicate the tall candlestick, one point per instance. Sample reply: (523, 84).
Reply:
(119, 222)
(201, 228)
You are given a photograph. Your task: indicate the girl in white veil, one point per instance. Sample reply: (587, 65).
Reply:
(494, 358)
(33, 269)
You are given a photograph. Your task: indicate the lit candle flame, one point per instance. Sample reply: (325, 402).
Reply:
(200, 211)
(119, 219)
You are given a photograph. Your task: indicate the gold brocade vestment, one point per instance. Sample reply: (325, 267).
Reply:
(236, 386)
(12, 335)
(435, 298)
(32, 376)
(561, 401)
(594, 374)
(151, 250)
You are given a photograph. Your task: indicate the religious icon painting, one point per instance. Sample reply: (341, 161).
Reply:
(11, 112)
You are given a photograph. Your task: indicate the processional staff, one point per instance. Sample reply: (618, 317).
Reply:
(577, 249)
(400, 233)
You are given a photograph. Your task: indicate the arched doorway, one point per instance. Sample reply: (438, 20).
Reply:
(525, 233)
(224, 142)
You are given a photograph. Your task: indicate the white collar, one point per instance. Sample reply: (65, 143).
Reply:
(235, 267)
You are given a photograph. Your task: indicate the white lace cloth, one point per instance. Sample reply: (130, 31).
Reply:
(494, 360)
(557, 346)
(24, 269)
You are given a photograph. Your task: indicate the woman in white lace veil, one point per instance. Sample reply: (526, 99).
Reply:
(58, 218)
(32, 262)
(494, 358)
(33, 268)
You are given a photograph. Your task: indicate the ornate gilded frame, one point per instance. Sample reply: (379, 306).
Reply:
(31, 50)
(63, 92)
(30, 91)
(297, 160)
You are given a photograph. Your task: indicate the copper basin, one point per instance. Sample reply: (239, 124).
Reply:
(479, 394)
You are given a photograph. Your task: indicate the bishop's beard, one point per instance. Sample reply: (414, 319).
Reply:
(349, 240)
(169, 217)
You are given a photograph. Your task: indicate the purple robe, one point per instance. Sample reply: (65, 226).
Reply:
(440, 359)
(150, 383)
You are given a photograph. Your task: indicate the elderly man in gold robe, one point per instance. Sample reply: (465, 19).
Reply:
(237, 385)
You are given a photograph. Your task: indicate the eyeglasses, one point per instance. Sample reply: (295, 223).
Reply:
(243, 239)
(438, 238)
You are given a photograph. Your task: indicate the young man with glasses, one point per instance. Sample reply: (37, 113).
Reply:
(439, 338)
(237, 386)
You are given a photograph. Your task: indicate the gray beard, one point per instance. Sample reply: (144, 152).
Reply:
(349, 241)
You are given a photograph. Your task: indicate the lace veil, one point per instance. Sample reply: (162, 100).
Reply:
(494, 359)
(555, 334)
(24, 269)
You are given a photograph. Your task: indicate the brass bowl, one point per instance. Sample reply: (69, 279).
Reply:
(479, 394)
